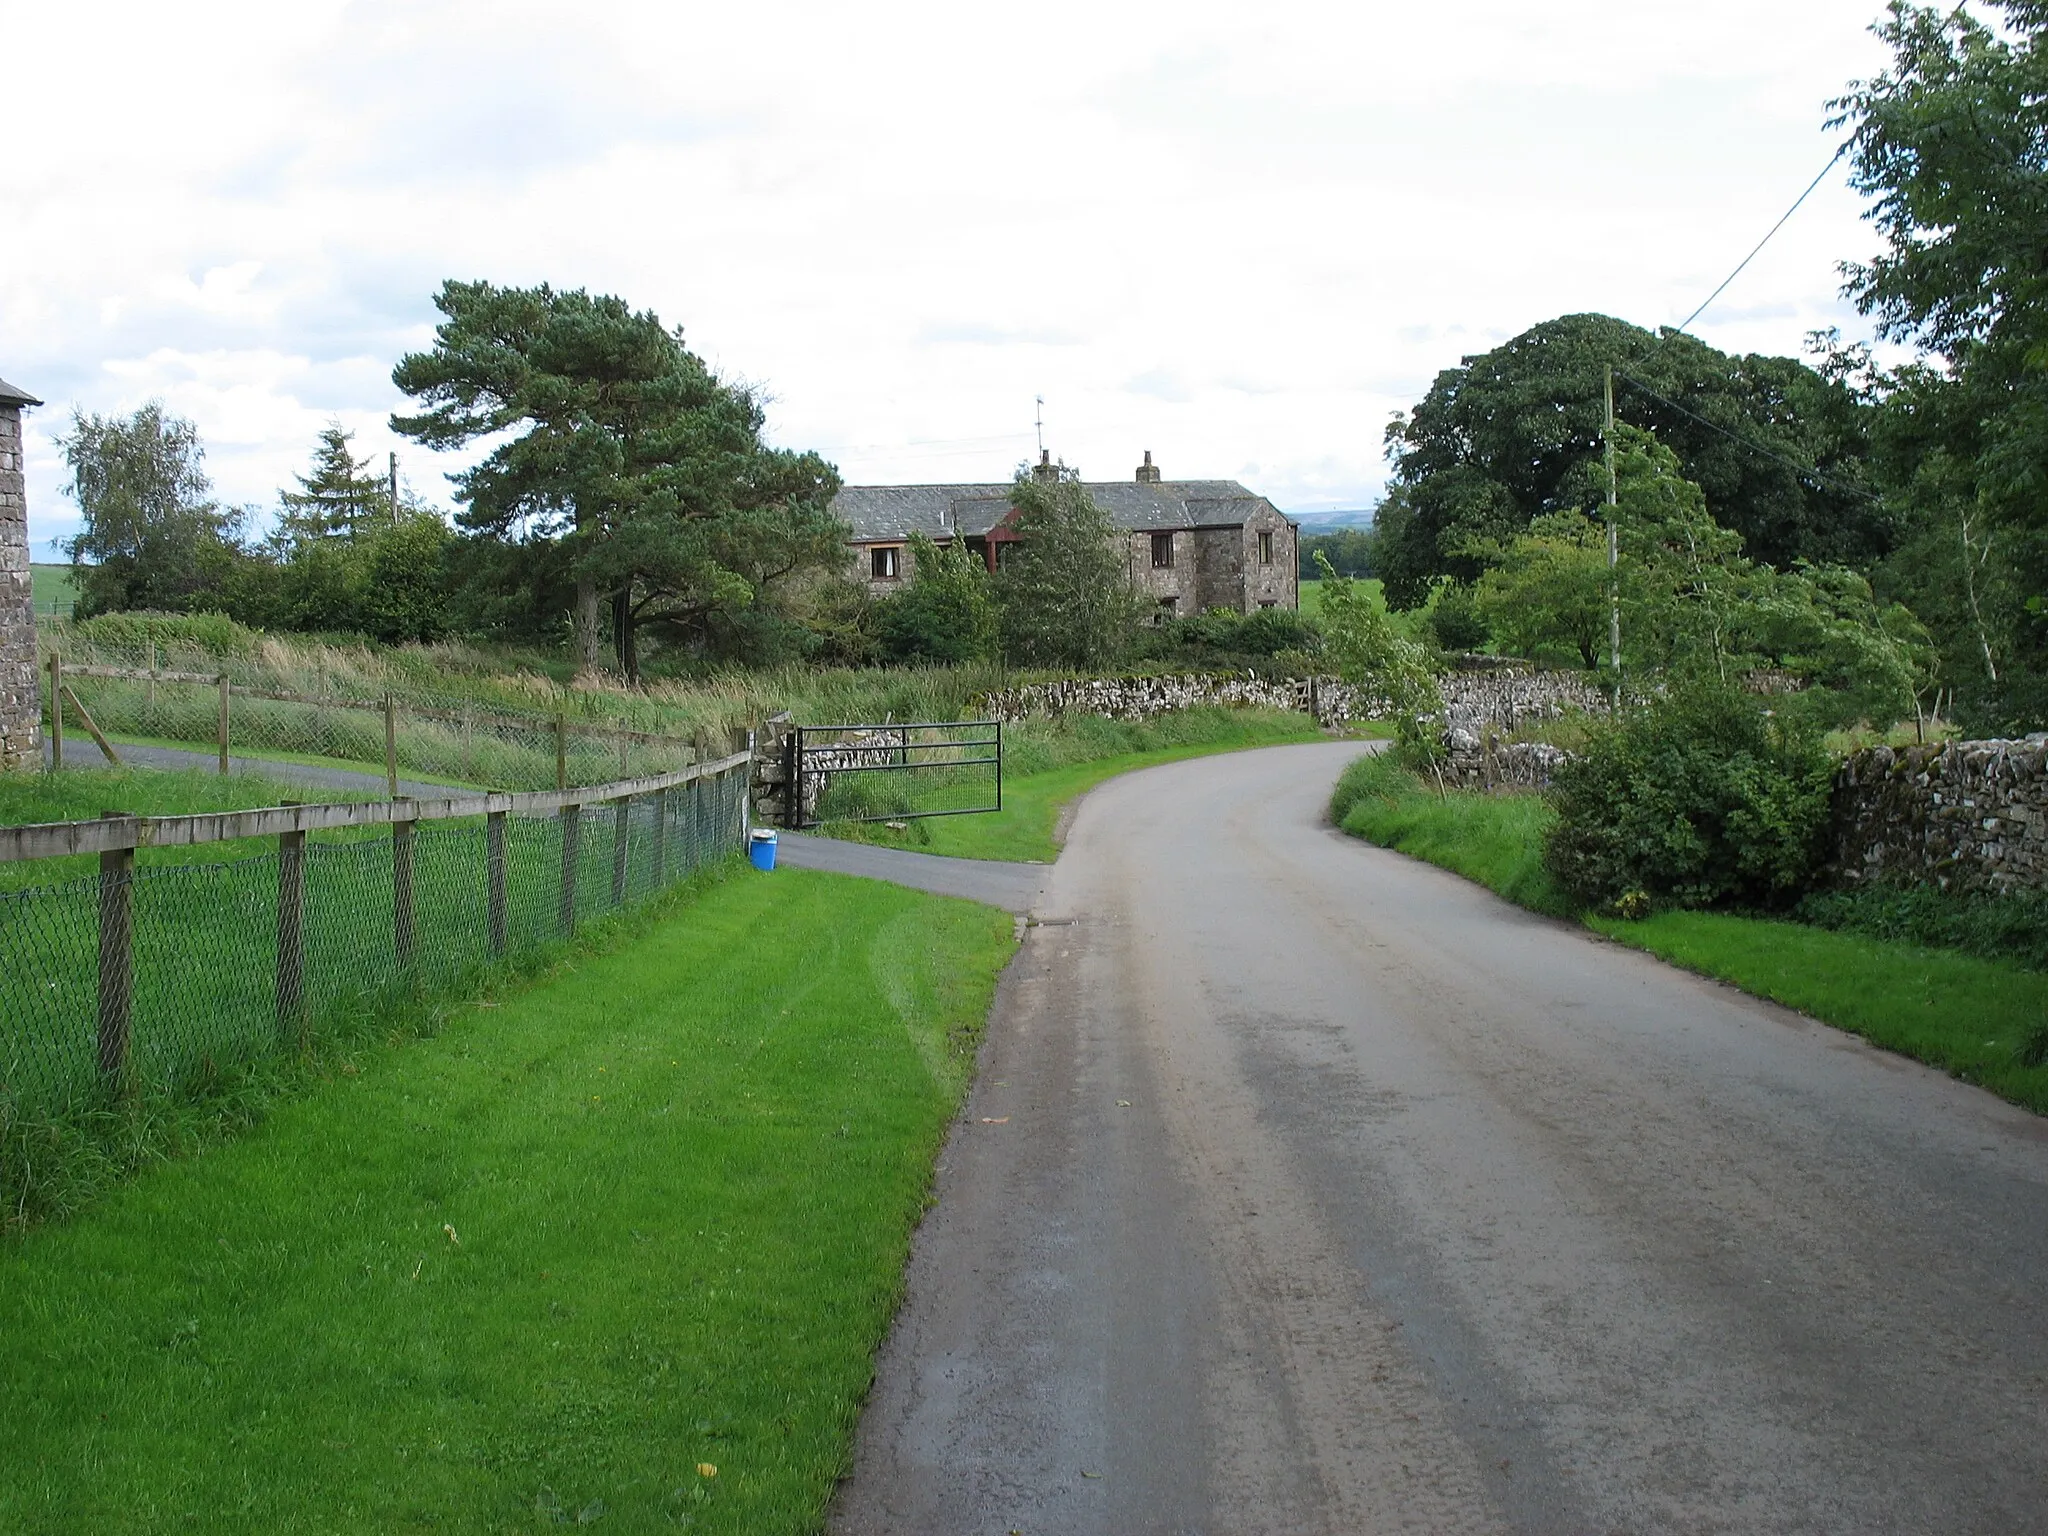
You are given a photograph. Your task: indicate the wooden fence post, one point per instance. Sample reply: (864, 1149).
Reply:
(117, 958)
(56, 710)
(572, 828)
(494, 879)
(223, 680)
(391, 746)
(660, 838)
(291, 929)
(401, 892)
(622, 822)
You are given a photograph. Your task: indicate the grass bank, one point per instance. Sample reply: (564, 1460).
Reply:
(1975, 1019)
(1050, 763)
(1496, 840)
(619, 1248)
(1978, 1019)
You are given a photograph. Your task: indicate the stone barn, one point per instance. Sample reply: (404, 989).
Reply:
(1190, 545)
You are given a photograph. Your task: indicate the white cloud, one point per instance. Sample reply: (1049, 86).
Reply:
(1235, 235)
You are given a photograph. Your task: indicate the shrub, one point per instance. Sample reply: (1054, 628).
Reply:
(129, 633)
(1698, 799)
(1222, 636)
(1455, 621)
(948, 612)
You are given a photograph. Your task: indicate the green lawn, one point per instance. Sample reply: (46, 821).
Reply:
(1032, 800)
(1981, 1020)
(638, 1222)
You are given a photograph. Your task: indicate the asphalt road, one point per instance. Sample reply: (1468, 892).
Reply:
(1013, 887)
(79, 752)
(1309, 1189)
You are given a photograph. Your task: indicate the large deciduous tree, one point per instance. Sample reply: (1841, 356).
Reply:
(1951, 145)
(152, 535)
(618, 443)
(1514, 434)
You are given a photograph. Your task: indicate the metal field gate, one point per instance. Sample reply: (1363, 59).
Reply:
(892, 772)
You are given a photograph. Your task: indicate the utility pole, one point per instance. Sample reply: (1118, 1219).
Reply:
(1613, 550)
(394, 487)
(1038, 421)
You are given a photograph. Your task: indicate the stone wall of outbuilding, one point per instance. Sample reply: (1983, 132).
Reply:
(21, 729)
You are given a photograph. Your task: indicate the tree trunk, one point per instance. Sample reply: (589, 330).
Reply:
(588, 638)
(624, 640)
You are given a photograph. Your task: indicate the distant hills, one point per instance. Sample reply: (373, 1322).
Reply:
(1355, 517)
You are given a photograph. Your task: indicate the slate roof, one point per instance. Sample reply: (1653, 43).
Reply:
(884, 513)
(9, 395)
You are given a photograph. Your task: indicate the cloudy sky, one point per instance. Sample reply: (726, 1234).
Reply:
(1237, 235)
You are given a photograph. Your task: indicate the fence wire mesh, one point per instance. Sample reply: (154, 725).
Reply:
(458, 742)
(206, 985)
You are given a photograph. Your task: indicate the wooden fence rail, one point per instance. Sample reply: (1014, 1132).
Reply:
(56, 839)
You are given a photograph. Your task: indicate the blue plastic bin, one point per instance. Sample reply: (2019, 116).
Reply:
(761, 848)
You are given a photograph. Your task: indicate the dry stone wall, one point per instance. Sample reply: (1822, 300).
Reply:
(1504, 700)
(21, 730)
(1969, 815)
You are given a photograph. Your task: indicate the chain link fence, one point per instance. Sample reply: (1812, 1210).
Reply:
(460, 743)
(153, 979)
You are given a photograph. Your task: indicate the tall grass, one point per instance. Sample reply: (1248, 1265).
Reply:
(452, 674)
(1496, 840)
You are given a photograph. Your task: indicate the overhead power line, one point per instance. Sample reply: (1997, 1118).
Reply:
(1804, 471)
(1842, 150)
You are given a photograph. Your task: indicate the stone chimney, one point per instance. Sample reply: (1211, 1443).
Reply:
(21, 705)
(1043, 469)
(1148, 472)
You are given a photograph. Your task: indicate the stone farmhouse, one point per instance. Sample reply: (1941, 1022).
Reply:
(1191, 545)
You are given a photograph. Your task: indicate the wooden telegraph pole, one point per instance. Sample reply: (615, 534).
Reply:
(1613, 550)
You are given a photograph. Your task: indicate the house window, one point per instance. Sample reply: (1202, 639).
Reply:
(1162, 551)
(1266, 547)
(882, 562)
(1169, 607)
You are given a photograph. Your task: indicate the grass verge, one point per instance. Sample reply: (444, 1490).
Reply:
(643, 1220)
(1978, 1019)
(1972, 1018)
(1496, 840)
(1051, 763)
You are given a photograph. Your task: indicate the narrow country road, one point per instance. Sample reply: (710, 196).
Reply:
(1309, 1189)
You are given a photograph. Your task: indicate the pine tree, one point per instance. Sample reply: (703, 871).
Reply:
(337, 499)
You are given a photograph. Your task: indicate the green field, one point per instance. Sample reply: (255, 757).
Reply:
(51, 588)
(1977, 1019)
(618, 1247)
